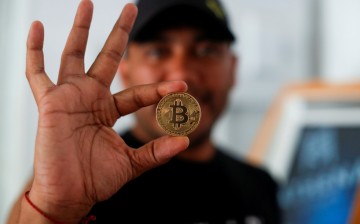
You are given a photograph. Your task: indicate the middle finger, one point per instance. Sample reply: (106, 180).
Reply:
(105, 66)
(72, 59)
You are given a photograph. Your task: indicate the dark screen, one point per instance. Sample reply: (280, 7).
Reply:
(323, 178)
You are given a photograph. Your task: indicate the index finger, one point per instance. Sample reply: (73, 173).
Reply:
(35, 68)
(134, 98)
(105, 66)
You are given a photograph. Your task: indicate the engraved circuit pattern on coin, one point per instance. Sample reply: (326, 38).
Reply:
(178, 113)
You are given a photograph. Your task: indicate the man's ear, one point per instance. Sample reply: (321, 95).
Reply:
(234, 67)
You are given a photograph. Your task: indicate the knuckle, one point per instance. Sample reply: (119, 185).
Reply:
(112, 54)
(76, 53)
(138, 99)
(125, 28)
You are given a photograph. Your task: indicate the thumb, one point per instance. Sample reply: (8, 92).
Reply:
(158, 152)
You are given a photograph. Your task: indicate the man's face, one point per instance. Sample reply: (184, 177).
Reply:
(181, 54)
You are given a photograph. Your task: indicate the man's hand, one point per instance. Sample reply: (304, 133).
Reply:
(79, 158)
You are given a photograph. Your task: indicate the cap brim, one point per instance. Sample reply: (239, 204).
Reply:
(174, 13)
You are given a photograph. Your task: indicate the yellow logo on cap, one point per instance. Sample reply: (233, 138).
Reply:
(215, 8)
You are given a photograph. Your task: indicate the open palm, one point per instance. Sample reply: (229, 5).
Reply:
(79, 158)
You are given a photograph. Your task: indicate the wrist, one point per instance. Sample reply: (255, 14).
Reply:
(29, 215)
(38, 211)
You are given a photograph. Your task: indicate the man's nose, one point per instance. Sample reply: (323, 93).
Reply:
(181, 67)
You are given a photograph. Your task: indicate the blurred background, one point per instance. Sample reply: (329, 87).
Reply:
(279, 42)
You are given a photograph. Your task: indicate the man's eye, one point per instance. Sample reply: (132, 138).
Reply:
(206, 51)
(156, 52)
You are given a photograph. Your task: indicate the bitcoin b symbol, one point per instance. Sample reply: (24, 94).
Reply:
(179, 114)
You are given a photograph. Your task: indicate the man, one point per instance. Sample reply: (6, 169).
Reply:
(83, 168)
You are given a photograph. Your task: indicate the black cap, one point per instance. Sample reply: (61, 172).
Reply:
(156, 15)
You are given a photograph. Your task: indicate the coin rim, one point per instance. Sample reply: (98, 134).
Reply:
(182, 133)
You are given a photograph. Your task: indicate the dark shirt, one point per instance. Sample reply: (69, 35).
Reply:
(223, 190)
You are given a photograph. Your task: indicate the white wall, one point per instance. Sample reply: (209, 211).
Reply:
(14, 132)
(340, 35)
(275, 46)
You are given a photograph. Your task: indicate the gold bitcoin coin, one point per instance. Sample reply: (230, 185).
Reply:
(178, 113)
